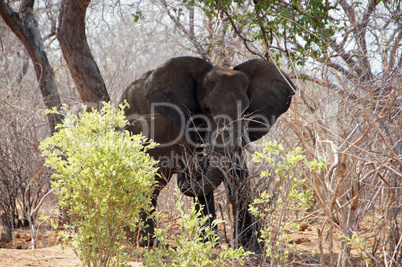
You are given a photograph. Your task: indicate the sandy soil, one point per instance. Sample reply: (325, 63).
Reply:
(43, 257)
(51, 256)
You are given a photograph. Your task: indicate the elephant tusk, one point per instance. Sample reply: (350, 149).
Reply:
(250, 148)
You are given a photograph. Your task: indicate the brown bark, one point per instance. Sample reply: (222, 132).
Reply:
(25, 27)
(76, 51)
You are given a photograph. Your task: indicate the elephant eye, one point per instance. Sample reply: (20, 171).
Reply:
(206, 108)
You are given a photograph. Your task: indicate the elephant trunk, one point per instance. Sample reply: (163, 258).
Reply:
(208, 172)
(202, 184)
(218, 159)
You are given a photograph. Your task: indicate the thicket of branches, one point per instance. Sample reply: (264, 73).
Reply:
(345, 57)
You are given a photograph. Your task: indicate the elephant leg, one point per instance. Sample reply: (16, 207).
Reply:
(247, 228)
(145, 236)
(208, 202)
(246, 231)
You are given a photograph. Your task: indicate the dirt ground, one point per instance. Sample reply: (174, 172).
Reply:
(17, 252)
(42, 257)
(50, 253)
(51, 256)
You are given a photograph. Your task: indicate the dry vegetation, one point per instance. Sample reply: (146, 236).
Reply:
(354, 125)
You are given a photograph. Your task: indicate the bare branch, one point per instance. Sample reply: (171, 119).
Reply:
(349, 11)
(245, 40)
(340, 68)
(188, 34)
(359, 29)
(191, 22)
(394, 48)
(361, 36)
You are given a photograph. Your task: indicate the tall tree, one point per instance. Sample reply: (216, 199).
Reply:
(344, 36)
(76, 51)
(25, 27)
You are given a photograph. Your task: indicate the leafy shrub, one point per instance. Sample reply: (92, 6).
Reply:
(194, 245)
(293, 193)
(104, 177)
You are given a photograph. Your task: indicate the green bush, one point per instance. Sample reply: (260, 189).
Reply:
(292, 193)
(104, 177)
(194, 245)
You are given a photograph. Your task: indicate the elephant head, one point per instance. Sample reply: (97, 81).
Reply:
(228, 107)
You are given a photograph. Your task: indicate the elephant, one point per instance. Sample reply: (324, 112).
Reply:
(202, 116)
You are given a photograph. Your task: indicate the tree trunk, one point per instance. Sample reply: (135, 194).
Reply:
(76, 52)
(6, 235)
(25, 27)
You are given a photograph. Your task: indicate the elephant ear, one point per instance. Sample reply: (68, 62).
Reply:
(270, 93)
(171, 88)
